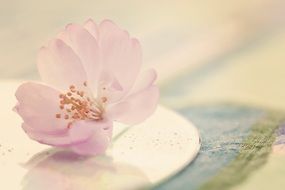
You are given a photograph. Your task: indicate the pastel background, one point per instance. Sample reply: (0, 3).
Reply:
(221, 64)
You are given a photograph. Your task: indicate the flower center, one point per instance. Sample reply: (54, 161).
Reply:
(80, 105)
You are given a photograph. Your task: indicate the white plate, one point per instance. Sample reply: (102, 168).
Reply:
(140, 155)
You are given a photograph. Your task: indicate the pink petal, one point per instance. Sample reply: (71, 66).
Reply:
(98, 142)
(145, 80)
(70, 136)
(38, 106)
(59, 66)
(110, 89)
(122, 56)
(59, 139)
(92, 28)
(136, 107)
(86, 47)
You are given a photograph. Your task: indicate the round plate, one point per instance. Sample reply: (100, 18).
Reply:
(140, 155)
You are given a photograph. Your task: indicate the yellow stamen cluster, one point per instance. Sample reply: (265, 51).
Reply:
(77, 105)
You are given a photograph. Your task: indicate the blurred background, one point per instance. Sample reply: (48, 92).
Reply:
(223, 50)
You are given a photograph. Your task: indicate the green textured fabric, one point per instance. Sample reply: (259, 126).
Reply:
(253, 154)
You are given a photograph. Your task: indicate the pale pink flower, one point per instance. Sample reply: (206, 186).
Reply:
(92, 76)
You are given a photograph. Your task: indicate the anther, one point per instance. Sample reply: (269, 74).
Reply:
(57, 115)
(104, 99)
(72, 88)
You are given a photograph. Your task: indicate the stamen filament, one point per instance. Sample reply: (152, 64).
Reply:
(80, 105)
